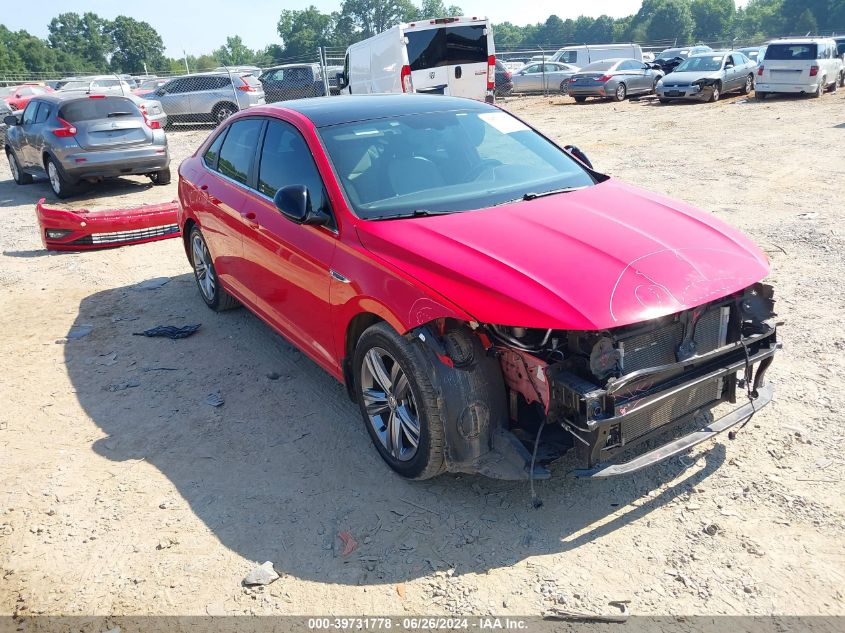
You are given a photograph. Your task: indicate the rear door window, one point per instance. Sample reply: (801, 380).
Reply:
(792, 52)
(238, 150)
(213, 152)
(43, 113)
(29, 112)
(431, 48)
(90, 109)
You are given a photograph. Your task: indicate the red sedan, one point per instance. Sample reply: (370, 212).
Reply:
(18, 96)
(481, 291)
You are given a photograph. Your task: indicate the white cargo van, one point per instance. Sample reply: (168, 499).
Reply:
(450, 56)
(588, 53)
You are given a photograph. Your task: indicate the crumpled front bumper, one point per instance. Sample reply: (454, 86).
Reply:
(632, 411)
(63, 230)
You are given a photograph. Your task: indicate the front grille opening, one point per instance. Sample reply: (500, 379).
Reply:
(135, 235)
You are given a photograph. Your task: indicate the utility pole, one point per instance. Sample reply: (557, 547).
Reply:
(187, 70)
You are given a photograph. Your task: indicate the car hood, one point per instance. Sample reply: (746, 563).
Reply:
(690, 76)
(596, 258)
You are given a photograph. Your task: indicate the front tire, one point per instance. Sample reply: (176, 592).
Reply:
(61, 185)
(580, 99)
(212, 293)
(398, 402)
(717, 92)
(20, 176)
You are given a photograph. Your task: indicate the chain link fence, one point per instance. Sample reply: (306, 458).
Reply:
(193, 100)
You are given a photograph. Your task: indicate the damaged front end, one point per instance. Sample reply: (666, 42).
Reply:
(611, 390)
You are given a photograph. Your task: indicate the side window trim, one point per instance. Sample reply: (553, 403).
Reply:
(222, 137)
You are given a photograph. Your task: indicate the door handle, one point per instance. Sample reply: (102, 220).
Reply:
(458, 72)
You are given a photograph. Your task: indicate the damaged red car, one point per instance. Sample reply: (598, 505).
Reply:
(489, 299)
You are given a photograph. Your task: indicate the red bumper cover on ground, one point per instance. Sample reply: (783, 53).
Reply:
(79, 230)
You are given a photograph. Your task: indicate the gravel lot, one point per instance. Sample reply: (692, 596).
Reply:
(124, 493)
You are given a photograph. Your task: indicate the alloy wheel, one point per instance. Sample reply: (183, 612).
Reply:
(390, 405)
(203, 269)
(223, 114)
(53, 175)
(13, 166)
(620, 92)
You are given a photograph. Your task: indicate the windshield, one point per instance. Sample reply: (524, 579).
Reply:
(705, 63)
(77, 85)
(672, 53)
(444, 162)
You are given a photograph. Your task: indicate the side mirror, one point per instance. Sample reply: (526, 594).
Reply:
(578, 155)
(160, 92)
(341, 81)
(294, 202)
(10, 120)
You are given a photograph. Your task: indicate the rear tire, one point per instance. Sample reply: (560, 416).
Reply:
(580, 99)
(822, 87)
(564, 87)
(161, 177)
(760, 96)
(833, 87)
(842, 79)
(20, 176)
(212, 293)
(748, 86)
(403, 399)
(620, 93)
(223, 111)
(665, 101)
(61, 185)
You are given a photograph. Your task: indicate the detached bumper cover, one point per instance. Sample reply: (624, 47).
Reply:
(63, 230)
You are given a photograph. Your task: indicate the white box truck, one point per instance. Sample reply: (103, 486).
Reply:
(580, 56)
(451, 56)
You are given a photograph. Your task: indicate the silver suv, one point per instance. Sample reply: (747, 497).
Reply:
(73, 137)
(208, 97)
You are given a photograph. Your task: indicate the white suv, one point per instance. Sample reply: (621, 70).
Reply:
(807, 65)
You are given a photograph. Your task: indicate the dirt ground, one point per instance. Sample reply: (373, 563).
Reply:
(125, 493)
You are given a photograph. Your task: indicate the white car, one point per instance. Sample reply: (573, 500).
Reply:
(807, 65)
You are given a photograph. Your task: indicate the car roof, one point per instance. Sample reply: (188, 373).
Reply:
(59, 96)
(798, 40)
(346, 109)
(309, 65)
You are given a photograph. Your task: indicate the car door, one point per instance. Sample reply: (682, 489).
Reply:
(730, 73)
(175, 98)
(229, 161)
(26, 153)
(289, 265)
(637, 77)
(529, 78)
(37, 133)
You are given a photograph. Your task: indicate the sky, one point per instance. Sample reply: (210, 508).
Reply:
(198, 26)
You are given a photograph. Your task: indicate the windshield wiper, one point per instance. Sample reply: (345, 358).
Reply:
(416, 213)
(531, 195)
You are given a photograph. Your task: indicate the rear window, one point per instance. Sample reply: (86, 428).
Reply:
(447, 46)
(598, 66)
(795, 52)
(568, 57)
(89, 109)
(251, 80)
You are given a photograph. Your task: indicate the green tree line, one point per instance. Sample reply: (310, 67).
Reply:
(88, 43)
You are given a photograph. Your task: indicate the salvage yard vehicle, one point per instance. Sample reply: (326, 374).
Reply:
(448, 56)
(707, 77)
(18, 96)
(543, 76)
(474, 285)
(671, 58)
(583, 55)
(296, 81)
(613, 79)
(208, 97)
(807, 65)
(73, 137)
